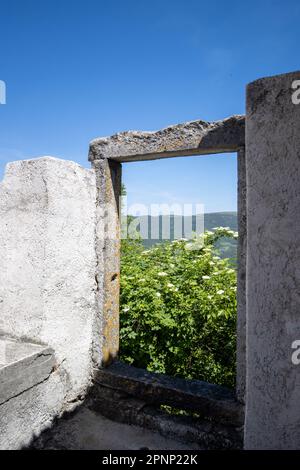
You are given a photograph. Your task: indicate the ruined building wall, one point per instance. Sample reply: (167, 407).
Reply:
(273, 264)
(48, 289)
(59, 274)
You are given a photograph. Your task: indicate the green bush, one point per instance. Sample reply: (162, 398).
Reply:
(178, 308)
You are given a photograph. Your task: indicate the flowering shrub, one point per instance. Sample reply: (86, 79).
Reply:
(178, 308)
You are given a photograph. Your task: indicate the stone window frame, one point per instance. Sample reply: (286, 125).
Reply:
(106, 156)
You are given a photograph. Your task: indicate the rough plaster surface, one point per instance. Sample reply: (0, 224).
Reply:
(190, 138)
(273, 260)
(48, 261)
(241, 278)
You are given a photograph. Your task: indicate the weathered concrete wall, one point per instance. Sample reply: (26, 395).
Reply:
(108, 183)
(48, 288)
(25, 416)
(241, 278)
(273, 260)
(31, 392)
(23, 365)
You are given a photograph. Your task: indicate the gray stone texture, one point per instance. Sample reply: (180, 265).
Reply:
(190, 138)
(273, 260)
(208, 433)
(48, 289)
(48, 260)
(241, 278)
(25, 365)
(31, 393)
(108, 184)
(210, 400)
(26, 415)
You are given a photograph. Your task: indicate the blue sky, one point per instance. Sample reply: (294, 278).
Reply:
(76, 70)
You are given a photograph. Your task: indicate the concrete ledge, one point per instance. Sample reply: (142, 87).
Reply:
(22, 366)
(209, 435)
(190, 138)
(212, 401)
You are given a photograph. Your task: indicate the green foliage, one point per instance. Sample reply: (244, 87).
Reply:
(178, 308)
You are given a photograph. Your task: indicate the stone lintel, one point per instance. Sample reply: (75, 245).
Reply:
(190, 138)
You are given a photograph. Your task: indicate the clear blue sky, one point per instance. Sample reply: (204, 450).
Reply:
(76, 70)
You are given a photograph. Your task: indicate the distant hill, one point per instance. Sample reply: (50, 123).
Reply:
(227, 247)
(220, 219)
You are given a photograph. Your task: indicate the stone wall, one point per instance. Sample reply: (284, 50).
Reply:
(273, 260)
(48, 290)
